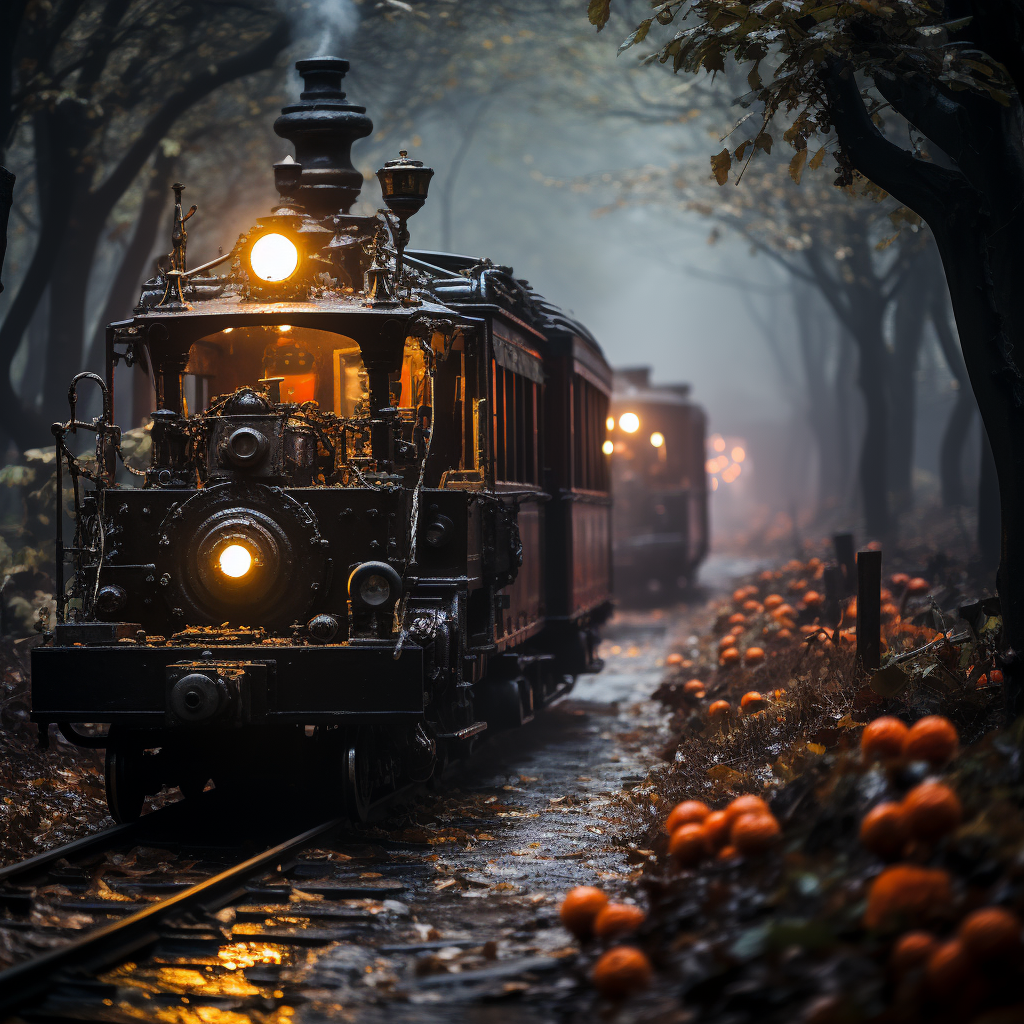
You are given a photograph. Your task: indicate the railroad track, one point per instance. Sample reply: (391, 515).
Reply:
(144, 928)
(212, 927)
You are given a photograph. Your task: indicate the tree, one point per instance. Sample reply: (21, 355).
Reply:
(99, 85)
(842, 245)
(954, 71)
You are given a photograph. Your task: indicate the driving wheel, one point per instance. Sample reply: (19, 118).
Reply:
(357, 778)
(124, 779)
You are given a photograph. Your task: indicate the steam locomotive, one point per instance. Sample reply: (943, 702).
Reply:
(375, 525)
(656, 442)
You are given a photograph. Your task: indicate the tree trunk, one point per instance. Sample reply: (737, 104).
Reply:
(988, 507)
(873, 466)
(843, 391)
(860, 304)
(908, 334)
(983, 315)
(55, 181)
(6, 202)
(824, 415)
(69, 292)
(951, 452)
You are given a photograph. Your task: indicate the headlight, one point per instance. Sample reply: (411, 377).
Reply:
(374, 585)
(629, 422)
(374, 590)
(235, 561)
(274, 258)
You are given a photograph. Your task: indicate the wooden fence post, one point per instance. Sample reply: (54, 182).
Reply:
(869, 609)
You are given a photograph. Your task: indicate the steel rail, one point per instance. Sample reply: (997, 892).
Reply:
(129, 832)
(116, 941)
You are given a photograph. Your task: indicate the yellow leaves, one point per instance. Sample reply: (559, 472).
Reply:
(816, 748)
(636, 37)
(817, 159)
(720, 164)
(726, 775)
(796, 165)
(598, 12)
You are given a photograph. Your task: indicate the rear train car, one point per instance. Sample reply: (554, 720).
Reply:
(660, 519)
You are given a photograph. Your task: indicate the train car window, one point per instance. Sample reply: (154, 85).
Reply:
(514, 401)
(589, 412)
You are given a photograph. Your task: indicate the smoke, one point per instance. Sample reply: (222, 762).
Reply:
(338, 20)
(322, 27)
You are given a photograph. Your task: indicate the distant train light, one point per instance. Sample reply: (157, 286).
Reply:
(718, 443)
(274, 258)
(714, 483)
(608, 447)
(731, 473)
(610, 423)
(629, 422)
(738, 454)
(657, 439)
(235, 561)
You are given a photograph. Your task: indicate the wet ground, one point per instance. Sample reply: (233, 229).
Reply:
(532, 815)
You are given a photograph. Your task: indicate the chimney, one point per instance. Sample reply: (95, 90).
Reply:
(322, 128)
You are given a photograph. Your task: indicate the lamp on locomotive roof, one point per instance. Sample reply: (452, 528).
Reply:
(404, 184)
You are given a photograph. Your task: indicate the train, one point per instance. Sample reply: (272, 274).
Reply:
(375, 525)
(656, 442)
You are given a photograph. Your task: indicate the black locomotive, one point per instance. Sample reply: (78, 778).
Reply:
(376, 521)
(656, 443)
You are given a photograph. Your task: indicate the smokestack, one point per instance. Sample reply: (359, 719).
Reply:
(322, 128)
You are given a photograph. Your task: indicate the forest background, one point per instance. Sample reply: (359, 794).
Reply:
(584, 170)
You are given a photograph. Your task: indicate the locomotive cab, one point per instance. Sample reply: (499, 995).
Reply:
(374, 526)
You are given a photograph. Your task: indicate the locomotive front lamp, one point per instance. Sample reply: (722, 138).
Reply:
(607, 447)
(629, 422)
(235, 561)
(404, 184)
(657, 439)
(610, 423)
(273, 258)
(374, 585)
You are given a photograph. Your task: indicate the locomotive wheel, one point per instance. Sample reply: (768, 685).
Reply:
(357, 778)
(123, 776)
(192, 786)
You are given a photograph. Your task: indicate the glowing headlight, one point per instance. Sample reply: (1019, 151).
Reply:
(607, 447)
(274, 258)
(375, 590)
(235, 561)
(657, 439)
(629, 422)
